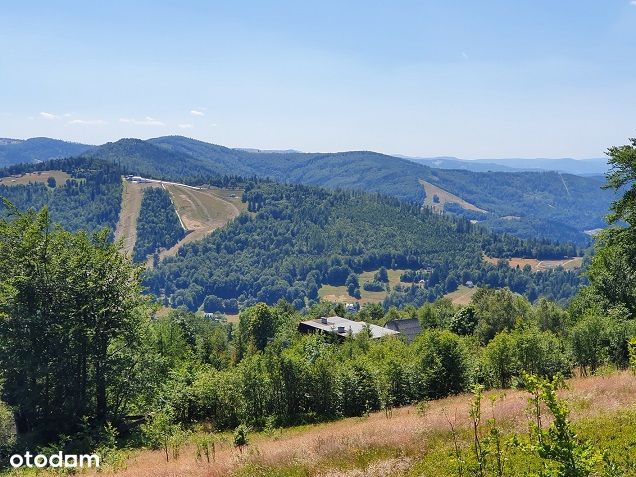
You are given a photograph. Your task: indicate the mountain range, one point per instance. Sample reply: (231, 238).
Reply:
(584, 167)
(554, 205)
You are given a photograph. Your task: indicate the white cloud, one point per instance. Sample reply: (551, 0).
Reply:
(186, 126)
(147, 121)
(87, 121)
(633, 2)
(196, 112)
(46, 115)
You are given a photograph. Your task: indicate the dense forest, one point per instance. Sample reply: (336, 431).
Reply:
(548, 204)
(89, 201)
(545, 204)
(158, 225)
(297, 238)
(86, 364)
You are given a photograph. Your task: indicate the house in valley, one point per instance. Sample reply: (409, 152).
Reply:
(409, 328)
(341, 327)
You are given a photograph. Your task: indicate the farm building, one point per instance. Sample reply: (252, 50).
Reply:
(409, 328)
(341, 327)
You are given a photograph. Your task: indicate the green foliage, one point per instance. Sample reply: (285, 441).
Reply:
(464, 321)
(597, 340)
(72, 326)
(7, 429)
(498, 310)
(566, 454)
(241, 437)
(526, 350)
(442, 362)
(632, 354)
(89, 201)
(15, 151)
(158, 225)
(547, 208)
(161, 432)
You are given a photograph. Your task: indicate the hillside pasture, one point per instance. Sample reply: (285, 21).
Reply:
(201, 211)
(444, 196)
(462, 295)
(126, 229)
(538, 265)
(36, 177)
(338, 294)
(406, 442)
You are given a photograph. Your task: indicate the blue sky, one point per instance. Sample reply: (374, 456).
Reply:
(489, 79)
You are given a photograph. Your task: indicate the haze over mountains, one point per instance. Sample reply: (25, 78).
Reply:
(14, 151)
(585, 167)
(555, 205)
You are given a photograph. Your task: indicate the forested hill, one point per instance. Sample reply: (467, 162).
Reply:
(141, 157)
(16, 151)
(528, 204)
(89, 199)
(298, 238)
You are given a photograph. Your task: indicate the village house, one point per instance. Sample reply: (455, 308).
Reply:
(341, 327)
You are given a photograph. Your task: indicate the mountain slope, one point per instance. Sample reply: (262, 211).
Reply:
(585, 167)
(135, 156)
(299, 238)
(16, 151)
(528, 204)
(543, 204)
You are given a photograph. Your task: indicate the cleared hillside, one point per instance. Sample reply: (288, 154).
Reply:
(201, 211)
(126, 229)
(436, 198)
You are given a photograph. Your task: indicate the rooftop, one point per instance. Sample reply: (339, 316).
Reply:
(342, 326)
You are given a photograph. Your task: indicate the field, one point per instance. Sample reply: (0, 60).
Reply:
(202, 211)
(462, 295)
(31, 177)
(444, 197)
(537, 265)
(407, 442)
(339, 294)
(130, 206)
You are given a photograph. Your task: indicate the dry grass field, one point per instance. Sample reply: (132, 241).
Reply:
(202, 211)
(407, 443)
(339, 294)
(536, 265)
(130, 206)
(444, 196)
(462, 295)
(32, 177)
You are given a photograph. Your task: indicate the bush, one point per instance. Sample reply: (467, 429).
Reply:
(464, 321)
(7, 428)
(374, 286)
(442, 365)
